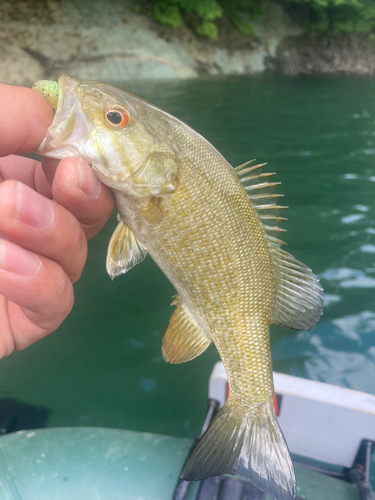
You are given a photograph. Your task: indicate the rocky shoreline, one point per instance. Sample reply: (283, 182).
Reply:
(351, 55)
(110, 41)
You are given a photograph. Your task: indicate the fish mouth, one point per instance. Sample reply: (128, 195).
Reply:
(69, 129)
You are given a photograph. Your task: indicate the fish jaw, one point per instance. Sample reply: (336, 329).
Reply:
(76, 132)
(132, 159)
(70, 128)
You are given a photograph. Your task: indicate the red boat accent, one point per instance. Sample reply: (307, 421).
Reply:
(276, 405)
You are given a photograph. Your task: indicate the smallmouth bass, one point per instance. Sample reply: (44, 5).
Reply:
(213, 231)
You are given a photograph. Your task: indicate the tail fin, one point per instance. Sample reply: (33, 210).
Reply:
(253, 447)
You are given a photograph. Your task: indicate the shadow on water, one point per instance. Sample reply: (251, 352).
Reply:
(103, 367)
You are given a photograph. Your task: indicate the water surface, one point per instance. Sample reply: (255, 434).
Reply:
(103, 367)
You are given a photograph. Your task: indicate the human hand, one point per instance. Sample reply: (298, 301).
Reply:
(47, 213)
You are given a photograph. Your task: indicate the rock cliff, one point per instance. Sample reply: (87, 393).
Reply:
(107, 40)
(110, 40)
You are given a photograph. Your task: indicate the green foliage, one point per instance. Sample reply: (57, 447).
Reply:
(208, 29)
(245, 28)
(334, 16)
(208, 10)
(328, 16)
(252, 7)
(167, 14)
(170, 12)
(205, 9)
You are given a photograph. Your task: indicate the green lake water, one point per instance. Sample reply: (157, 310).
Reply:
(103, 367)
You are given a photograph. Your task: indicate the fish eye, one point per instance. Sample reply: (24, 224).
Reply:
(117, 117)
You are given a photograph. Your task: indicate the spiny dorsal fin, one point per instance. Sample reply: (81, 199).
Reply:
(244, 168)
(299, 295)
(184, 339)
(260, 192)
(124, 250)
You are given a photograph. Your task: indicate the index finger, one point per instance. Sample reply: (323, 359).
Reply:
(25, 117)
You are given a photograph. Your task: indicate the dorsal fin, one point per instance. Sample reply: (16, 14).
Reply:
(299, 295)
(260, 192)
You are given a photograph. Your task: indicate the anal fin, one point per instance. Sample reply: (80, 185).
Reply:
(124, 251)
(184, 339)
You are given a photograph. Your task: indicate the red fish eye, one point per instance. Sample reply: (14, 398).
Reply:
(117, 117)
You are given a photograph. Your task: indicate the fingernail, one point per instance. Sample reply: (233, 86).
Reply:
(88, 183)
(18, 260)
(31, 207)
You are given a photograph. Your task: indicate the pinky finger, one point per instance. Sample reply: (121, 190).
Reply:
(37, 297)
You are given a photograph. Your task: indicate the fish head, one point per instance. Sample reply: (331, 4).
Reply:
(118, 134)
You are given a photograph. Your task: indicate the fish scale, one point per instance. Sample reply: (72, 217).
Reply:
(213, 231)
(239, 347)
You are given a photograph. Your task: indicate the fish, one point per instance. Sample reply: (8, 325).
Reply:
(214, 232)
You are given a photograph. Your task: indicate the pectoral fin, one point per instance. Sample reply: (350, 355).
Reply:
(124, 251)
(184, 339)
